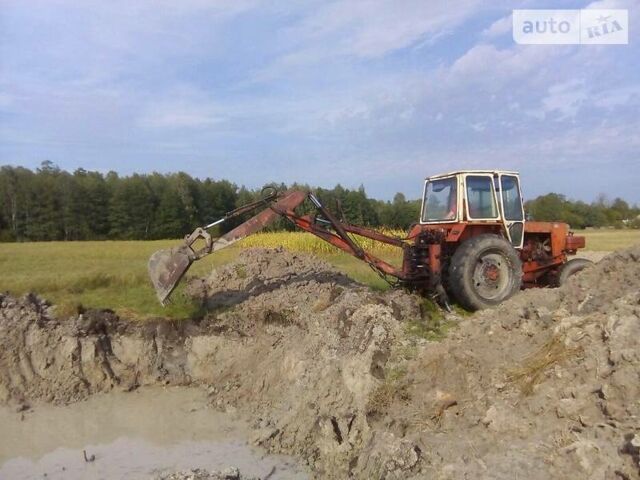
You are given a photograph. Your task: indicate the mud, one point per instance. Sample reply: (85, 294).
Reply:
(353, 382)
(147, 434)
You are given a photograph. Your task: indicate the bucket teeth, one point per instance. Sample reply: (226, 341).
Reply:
(166, 268)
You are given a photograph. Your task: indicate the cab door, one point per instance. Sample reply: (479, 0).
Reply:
(511, 207)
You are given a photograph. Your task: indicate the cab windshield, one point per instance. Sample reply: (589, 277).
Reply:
(440, 200)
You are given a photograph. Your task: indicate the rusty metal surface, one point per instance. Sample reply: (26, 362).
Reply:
(459, 231)
(374, 235)
(166, 268)
(574, 242)
(288, 201)
(306, 223)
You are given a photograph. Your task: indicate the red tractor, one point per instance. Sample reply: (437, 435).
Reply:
(472, 242)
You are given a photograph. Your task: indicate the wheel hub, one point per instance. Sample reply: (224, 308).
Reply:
(491, 275)
(490, 272)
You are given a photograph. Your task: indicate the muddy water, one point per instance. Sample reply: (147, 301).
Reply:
(131, 436)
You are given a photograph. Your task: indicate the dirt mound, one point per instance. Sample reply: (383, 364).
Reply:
(544, 386)
(318, 347)
(615, 276)
(260, 270)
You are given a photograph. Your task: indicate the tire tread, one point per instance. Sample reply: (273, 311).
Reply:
(465, 254)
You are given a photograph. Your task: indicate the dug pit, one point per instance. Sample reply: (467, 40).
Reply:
(118, 435)
(364, 384)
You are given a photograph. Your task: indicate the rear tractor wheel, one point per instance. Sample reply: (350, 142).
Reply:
(571, 268)
(484, 271)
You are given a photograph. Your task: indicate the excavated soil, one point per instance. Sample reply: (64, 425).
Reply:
(361, 384)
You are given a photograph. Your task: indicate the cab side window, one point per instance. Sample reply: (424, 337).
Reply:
(480, 196)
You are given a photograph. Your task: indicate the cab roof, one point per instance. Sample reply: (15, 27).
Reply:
(484, 172)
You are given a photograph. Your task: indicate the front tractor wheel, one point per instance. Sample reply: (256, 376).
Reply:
(484, 271)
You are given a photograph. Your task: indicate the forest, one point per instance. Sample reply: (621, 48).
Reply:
(53, 204)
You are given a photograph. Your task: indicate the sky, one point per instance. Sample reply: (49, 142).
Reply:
(381, 93)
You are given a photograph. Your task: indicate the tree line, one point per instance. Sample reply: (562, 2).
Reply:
(600, 213)
(53, 204)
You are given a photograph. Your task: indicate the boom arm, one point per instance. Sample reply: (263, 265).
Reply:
(340, 236)
(167, 267)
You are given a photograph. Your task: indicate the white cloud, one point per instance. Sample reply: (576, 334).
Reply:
(180, 108)
(619, 97)
(372, 28)
(566, 98)
(500, 27)
(178, 116)
(486, 62)
(364, 29)
(479, 126)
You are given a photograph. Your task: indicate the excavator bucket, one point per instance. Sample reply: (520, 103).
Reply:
(166, 268)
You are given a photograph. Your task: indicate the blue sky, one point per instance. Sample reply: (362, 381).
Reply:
(381, 93)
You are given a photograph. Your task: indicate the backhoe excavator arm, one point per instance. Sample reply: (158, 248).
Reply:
(167, 267)
(340, 238)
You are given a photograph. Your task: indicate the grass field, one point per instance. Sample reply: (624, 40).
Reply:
(93, 274)
(113, 274)
(609, 239)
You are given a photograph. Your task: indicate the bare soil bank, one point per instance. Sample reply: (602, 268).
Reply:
(544, 386)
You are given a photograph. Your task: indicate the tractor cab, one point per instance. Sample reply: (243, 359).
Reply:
(475, 197)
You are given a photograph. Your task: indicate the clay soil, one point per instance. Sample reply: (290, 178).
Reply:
(364, 384)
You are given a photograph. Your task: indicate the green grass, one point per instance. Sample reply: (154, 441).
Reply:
(609, 239)
(96, 274)
(432, 325)
(360, 271)
(113, 274)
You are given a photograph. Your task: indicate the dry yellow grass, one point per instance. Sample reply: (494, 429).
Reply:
(533, 368)
(605, 239)
(608, 239)
(305, 242)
